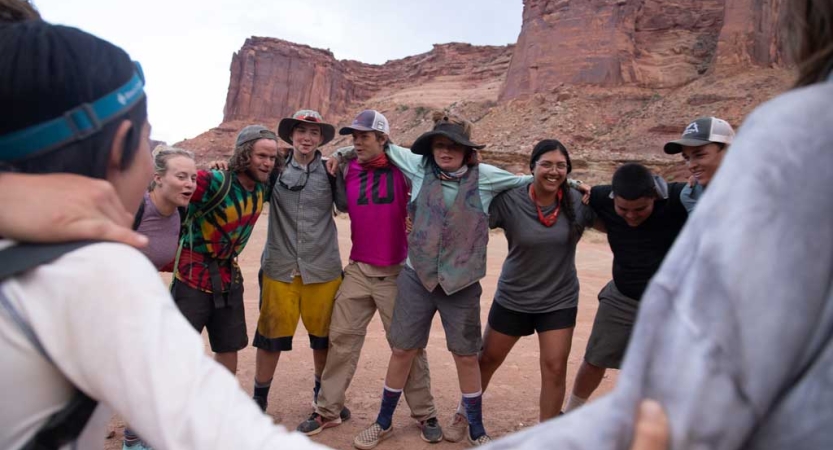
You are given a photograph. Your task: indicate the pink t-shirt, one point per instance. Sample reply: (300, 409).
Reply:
(377, 201)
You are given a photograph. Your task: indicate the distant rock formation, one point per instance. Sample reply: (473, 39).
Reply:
(271, 78)
(647, 43)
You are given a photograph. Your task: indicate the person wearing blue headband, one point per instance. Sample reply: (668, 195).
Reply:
(94, 330)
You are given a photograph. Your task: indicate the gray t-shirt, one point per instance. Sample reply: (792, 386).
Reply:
(539, 273)
(162, 232)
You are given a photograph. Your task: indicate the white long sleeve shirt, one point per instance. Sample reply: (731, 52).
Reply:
(111, 328)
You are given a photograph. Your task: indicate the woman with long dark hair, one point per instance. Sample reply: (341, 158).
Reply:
(538, 288)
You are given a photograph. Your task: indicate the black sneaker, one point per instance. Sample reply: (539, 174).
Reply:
(261, 402)
(431, 431)
(344, 414)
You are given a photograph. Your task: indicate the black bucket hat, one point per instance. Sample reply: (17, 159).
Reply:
(457, 133)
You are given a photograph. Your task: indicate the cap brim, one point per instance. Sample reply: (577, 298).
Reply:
(422, 146)
(287, 124)
(674, 147)
(344, 131)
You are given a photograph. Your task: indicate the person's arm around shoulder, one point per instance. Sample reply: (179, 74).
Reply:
(63, 208)
(498, 180)
(132, 349)
(497, 210)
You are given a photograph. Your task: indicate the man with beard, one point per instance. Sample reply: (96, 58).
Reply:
(208, 285)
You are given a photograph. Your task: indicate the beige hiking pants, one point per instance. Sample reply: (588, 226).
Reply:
(358, 298)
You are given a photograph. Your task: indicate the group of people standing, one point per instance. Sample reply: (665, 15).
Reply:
(87, 328)
(419, 230)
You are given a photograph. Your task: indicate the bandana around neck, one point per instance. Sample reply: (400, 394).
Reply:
(449, 176)
(376, 163)
(550, 219)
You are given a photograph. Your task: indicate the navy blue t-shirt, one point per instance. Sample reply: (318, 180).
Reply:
(639, 251)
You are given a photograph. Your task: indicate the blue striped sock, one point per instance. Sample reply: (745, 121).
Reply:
(474, 413)
(390, 398)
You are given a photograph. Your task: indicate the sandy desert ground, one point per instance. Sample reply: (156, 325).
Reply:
(510, 404)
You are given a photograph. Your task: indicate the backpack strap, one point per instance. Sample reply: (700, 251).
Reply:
(67, 424)
(137, 220)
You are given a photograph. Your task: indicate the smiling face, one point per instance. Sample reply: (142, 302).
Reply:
(368, 145)
(262, 161)
(550, 172)
(634, 211)
(447, 153)
(306, 138)
(703, 161)
(178, 182)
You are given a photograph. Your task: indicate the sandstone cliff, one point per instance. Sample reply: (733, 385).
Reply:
(648, 43)
(271, 78)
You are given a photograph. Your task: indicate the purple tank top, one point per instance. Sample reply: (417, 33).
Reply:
(377, 201)
(162, 233)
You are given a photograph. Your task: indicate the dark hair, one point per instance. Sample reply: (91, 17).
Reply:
(46, 70)
(554, 145)
(17, 11)
(810, 28)
(633, 181)
(546, 146)
(241, 159)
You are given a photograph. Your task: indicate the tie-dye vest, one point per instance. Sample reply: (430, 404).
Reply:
(448, 245)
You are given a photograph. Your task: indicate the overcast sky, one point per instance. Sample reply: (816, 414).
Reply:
(185, 47)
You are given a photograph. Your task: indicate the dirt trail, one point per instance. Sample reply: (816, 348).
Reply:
(510, 404)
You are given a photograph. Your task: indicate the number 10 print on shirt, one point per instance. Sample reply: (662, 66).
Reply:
(377, 174)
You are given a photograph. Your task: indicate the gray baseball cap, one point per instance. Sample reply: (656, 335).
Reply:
(702, 131)
(367, 120)
(254, 132)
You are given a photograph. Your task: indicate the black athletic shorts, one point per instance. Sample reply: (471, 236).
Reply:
(514, 323)
(226, 325)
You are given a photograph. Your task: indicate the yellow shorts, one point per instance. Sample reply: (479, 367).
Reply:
(281, 305)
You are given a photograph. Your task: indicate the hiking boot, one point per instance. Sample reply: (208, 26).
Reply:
(371, 436)
(482, 440)
(261, 402)
(431, 431)
(457, 429)
(316, 424)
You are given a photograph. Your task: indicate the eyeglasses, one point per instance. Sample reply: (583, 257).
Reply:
(302, 181)
(546, 165)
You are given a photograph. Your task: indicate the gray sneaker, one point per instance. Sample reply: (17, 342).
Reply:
(431, 431)
(458, 429)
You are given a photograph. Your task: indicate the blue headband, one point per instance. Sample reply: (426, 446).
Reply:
(75, 124)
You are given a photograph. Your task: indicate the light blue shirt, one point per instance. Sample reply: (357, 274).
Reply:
(492, 180)
(690, 195)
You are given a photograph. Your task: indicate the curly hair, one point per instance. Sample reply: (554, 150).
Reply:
(241, 159)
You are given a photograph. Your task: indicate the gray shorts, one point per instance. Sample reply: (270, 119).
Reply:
(611, 329)
(414, 311)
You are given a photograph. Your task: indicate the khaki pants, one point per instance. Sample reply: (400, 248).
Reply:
(357, 299)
